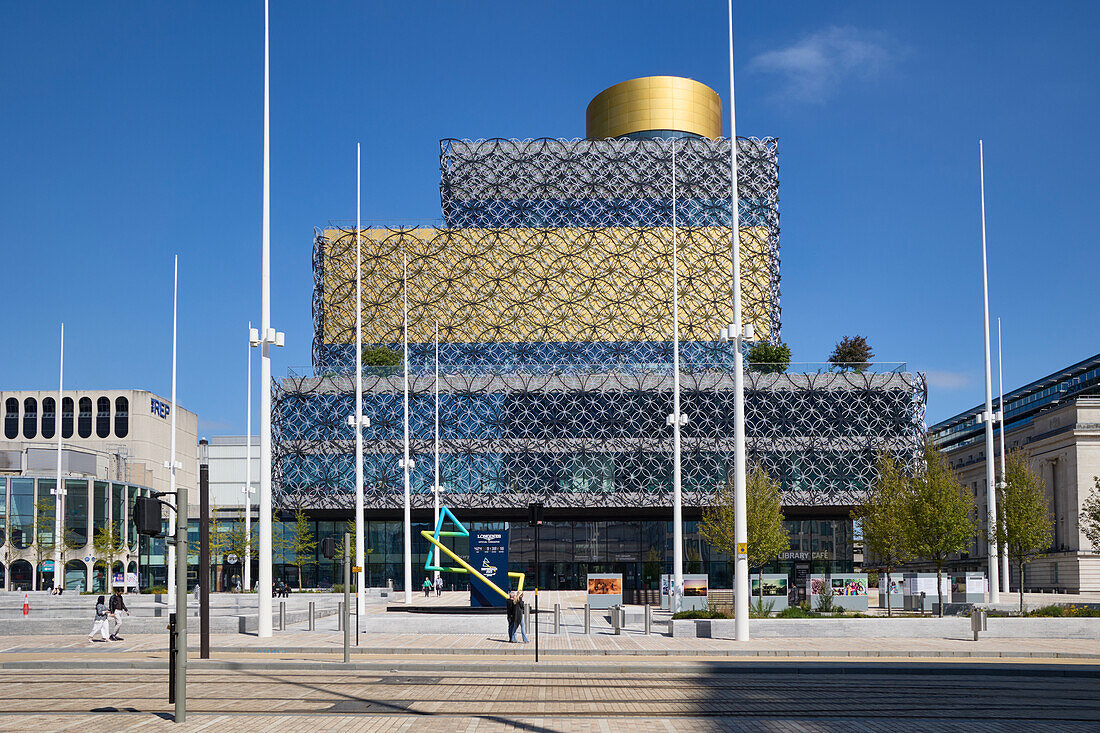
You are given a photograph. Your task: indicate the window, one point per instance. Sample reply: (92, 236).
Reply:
(11, 418)
(21, 512)
(66, 417)
(84, 420)
(76, 512)
(49, 417)
(30, 418)
(122, 417)
(103, 417)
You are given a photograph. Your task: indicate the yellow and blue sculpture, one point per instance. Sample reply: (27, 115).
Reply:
(444, 512)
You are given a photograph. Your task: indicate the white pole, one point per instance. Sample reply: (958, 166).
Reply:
(181, 497)
(247, 560)
(1004, 475)
(677, 501)
(405, 463)
(990, 488)
(740, 532)
(59, 490)
(264, 587)
(436, 480)
(360, 556)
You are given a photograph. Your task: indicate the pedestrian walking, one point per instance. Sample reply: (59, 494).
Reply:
(427, 586)
(510, 610)
(438, 586)
(115, 608)
(99, 626)
(521, 616)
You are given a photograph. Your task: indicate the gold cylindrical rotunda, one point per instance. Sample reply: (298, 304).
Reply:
(652, 105)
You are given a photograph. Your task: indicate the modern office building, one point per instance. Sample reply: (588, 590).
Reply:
(114, 446)
(550, 288)
(1056, 420)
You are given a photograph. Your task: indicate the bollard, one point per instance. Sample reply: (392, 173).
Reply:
(557, 618)
(922, 603)
(339, 615)
(587, 619)
(648, 618)
(311, 615)
(282, 615)
(615, 629)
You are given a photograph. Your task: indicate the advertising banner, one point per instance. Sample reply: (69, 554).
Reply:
(129, 580)
(489, 556)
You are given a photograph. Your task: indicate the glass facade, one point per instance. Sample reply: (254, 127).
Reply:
(640, 549)
(27, 507)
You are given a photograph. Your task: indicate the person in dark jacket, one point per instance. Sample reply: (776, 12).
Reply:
(116, 607)
(512, 610)
(100, 624)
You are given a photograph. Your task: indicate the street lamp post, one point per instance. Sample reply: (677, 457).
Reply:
(204, 549)
(737, 331)
(358, 421)
(266, 338)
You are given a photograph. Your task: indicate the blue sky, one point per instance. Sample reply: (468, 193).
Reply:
(132, 131)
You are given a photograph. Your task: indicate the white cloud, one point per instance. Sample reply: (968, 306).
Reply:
(947, 380)
(811, 69)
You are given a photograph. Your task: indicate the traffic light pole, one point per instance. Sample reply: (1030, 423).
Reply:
(181, 607)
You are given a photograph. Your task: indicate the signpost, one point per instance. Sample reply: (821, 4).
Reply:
(536, 522)
(489, 554)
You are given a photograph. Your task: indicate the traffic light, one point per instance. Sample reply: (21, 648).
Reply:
(147, 516)
(328, 548)
(535, 513)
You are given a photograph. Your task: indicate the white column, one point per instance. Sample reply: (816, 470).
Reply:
(264, 586)
(59, 490)
(360, 552)
(990, 485)
(405, 463)
(676, 597)
(1004, 475)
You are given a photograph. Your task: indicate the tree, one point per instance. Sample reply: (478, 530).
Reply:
(767, 537)
(941, 515)
(235, 541)
(106, 542)
(883, 518)
(380, 356)
(769, 358)
(1090, 516)
(1024, 526)
(349, 527)
(302, 544)
(853, 352)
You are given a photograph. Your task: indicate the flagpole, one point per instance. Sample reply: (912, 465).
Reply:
(360, 552)
(987, 416)
(59, 489)
(405, 463)
(1004, 475)
(675, 418)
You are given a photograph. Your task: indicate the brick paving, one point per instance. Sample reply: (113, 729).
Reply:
(309, 701)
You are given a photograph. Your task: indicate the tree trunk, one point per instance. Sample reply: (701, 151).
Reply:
(939, 587)
(1020, 566)
(889, 611)
(299, 576)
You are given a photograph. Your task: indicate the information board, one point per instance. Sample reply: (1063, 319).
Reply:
(489, 556)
